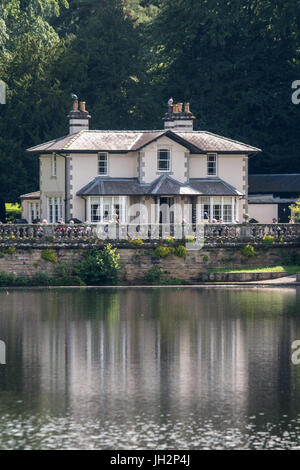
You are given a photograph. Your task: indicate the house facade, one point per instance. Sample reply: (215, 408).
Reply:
(173, 174)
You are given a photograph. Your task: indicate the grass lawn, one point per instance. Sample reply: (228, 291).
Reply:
(265, 269)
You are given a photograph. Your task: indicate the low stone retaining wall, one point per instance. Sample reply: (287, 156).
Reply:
(136, 261)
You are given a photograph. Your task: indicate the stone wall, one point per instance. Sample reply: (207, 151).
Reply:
(136, 262)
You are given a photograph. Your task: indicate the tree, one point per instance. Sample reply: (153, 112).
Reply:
(102, 63)
(235, 61)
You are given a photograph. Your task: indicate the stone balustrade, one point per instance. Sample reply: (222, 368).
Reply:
(209, 233)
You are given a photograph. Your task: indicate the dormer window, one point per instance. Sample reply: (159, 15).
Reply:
(102, 164)
(163, 160)
(212, 164)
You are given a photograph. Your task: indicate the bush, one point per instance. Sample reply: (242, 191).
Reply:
(180, 251)
(65, 275)
(153, 275)
(248, 251)
(170, 241)
(40, 279)
(136, 241)
(99, 267)
(162, 251)
(6, 279)
(13, 211)
(268, 240)
(49, 255)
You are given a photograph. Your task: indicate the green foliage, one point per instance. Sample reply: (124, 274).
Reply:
(180, 251)
(162, 251)
(7, 251)
(13, 211)
(6, 279)
(66, 274)
(248, 251)
(268, 240)
(205, 258)
(99, 267)
(136, 241)
(153, 275)
(295, 211)
(290, 258)
(49, 255)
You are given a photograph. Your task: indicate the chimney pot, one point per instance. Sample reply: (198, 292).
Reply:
(82, 106)
(187, 108)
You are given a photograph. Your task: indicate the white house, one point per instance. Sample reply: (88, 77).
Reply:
(92, 175)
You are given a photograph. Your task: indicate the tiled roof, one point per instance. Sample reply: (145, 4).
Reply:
(35, 195)
(113, 186)
(213, 187)
(277, 183)
(130, 141)
(164, 185)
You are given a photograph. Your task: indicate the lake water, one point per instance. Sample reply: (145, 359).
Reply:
(149, 368)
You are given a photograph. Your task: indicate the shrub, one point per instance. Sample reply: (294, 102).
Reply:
(99, 267)
(40, 279)
(153, 275)
(65, 275)
(180, 251)
(268, 240)
(170, 241)
(6, 279)
(162, 251)
(248, 251)
(205, 258)
(49, 255)
(136, 241)
(10, 250)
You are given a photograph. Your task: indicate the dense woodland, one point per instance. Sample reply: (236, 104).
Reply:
(233, 60)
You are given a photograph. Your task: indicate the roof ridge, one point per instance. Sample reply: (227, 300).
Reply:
(108, 131)
(72, 140)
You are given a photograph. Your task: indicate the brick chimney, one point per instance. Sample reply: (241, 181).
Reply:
(178, 117)
(78, 118)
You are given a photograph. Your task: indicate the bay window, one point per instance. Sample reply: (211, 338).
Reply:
(54, 209)
(108, 209)
(221, 208)
(34, 211)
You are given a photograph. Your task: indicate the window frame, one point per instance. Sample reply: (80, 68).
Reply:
(53, 165)
(164, 149)
(106, 161)
(54, 209)
(215, 164)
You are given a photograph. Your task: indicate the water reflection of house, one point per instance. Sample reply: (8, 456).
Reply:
(152, 351)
